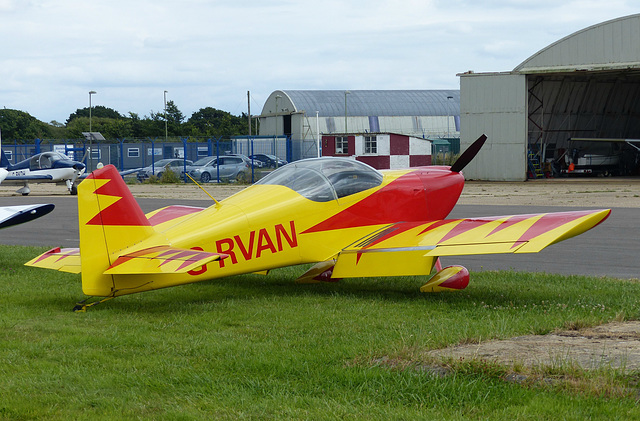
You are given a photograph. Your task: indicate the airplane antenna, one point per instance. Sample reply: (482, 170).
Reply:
(202, 188)
(468, 155)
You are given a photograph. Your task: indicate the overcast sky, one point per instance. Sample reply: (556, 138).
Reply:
(209, 53)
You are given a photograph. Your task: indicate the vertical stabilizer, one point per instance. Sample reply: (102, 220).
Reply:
(4, 161)
(110, 220)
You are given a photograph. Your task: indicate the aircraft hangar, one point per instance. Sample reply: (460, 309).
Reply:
(576, 100)
(303, 114)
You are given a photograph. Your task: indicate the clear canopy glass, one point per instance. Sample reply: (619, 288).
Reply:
(325, 179)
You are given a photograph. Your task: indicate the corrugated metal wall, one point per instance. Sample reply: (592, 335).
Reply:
(496, 105)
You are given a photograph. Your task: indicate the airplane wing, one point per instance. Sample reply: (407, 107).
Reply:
(410, 248)
(122, 173)
(131, 171)
(13, 215)
(29, 177)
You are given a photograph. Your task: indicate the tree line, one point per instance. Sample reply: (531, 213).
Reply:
(207, 122)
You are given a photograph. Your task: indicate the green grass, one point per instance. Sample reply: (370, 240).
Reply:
(256, 347)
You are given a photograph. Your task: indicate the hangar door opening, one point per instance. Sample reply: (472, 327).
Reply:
(584, 123)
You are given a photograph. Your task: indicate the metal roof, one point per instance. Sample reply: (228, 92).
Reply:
(331, 103)
(610, 45)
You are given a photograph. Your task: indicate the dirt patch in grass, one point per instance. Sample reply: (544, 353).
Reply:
(613, 345)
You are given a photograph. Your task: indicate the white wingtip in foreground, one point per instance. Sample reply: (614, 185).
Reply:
(14, 215)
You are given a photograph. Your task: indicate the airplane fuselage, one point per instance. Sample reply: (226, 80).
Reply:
(343, 216)
(45, 167)
(269, 226)
(55, 174)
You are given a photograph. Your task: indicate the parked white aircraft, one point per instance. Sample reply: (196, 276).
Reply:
(45, 167)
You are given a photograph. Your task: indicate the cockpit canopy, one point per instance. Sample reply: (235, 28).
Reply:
(325, 179)
(46, 160)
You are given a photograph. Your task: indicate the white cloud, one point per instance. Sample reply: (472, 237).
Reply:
(209, 53)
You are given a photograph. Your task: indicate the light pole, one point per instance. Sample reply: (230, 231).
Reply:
(345, 111)
(318, 131)
(449, 98)
(165, 116)
(90, 133)
(275, 143)
(276, 113)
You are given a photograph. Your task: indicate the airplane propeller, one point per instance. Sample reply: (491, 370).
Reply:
(78, 169)
(468, 155)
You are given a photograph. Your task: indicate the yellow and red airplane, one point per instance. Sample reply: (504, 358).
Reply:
(347, 218)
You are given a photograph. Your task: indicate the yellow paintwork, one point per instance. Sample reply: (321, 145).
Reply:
(487, 238)
(262, 228)
(159, 260)
(383, 262)
(64, 260)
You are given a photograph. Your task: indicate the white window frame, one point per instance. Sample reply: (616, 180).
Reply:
(133, 152)
(342, 145)
(371, 145)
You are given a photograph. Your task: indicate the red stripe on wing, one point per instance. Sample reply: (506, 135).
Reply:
(172, 212)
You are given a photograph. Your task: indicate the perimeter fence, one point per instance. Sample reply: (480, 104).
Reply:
(133, 154)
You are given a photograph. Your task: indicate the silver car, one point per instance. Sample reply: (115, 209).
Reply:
(228, 168)
(174, 164)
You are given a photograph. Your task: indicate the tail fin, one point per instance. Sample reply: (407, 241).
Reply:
(110, 220)
(4, 162)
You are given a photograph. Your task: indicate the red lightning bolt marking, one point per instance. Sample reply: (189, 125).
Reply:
(125, 211)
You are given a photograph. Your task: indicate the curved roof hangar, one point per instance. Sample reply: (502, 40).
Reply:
(331, 103)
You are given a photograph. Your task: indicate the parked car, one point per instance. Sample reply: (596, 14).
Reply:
(199, 163)
(230, 168)
(173, 164)
(268, 161)
(255, 162)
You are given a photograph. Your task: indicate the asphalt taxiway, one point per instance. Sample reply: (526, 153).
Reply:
(610, 249)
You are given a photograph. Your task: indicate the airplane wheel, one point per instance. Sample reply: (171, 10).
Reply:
(205, 177)
(74, 190)
(25, 194)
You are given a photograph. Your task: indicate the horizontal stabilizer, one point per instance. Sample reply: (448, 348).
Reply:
(172, 214)
(64, 260)
(161, 259)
